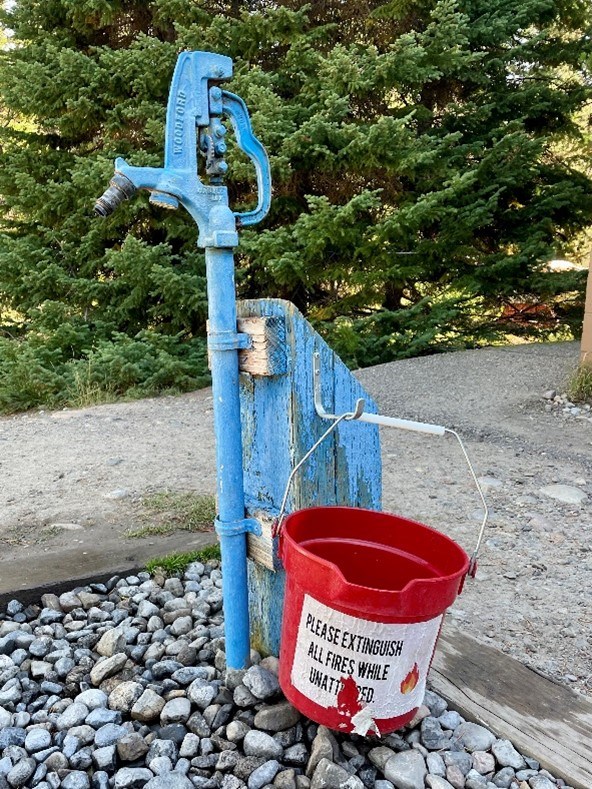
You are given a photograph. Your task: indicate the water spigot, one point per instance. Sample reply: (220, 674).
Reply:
(120, 189)
(196, 106)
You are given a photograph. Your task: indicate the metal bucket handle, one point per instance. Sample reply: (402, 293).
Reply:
(404, 424)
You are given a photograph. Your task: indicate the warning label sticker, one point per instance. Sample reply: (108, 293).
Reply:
(354, 664)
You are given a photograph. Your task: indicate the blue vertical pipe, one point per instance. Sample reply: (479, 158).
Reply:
(193, 104)
(229, 455)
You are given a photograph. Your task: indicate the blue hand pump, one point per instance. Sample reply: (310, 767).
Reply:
(194, 126)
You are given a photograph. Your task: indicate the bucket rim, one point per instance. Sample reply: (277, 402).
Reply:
(410, 585)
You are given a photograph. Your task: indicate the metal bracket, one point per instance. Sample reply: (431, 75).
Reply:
(246, 526)
(228, 341)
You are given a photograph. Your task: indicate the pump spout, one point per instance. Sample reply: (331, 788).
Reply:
(120, 189)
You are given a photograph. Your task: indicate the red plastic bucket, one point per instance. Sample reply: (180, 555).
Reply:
(365, 596)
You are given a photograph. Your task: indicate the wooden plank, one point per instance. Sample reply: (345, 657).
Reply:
(586, 345)
(543, 719)
(267, 354)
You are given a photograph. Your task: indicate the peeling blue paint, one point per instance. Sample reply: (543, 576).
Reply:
(279, 425)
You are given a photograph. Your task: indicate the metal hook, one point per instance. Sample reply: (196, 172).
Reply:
(350, 415)
(401, 424)
(374, 419)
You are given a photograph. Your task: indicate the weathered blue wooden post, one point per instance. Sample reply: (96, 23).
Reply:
(280, 425)
(197, 102)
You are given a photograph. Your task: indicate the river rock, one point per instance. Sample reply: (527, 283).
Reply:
(147, 707)
(107, 668)
(474, 737)
(264, 774)
(437, 782)
(176, 711)
(277, 717)
(169, 781)
(406, 770)
(132, 777)
(37, 740)
(131, 747)
(507, 756)
(263, 684)
(21, 772)
(123, 697)
(258, 743)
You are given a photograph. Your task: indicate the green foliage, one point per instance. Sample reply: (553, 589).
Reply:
(580, 384)
(40, 370)
(177, 563)
(418, 188)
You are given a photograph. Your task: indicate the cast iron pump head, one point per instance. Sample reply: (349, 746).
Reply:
(195, 110)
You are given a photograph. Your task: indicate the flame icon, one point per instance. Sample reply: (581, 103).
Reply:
(410, 680)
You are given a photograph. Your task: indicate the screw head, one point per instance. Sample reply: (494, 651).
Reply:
(216, 93)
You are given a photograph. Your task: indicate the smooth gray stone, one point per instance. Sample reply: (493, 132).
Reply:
(541, 782)
(264, 775)
(132, 777)
(435, 765)
(474, 737)
(475, 780)
(504, 777)
(258, 743)
(82, 759)
(263, 684)
(104, 758)
(201, 693)
(436, 782)
(37, 740)
(109, 734)
(277, 717)
(328, 775)
(169, 781)
(433, 737)
(76, 780)
(160, 765)
(74, 715)
(435, 703)
(450, 719)
(459, 759)
(507, 756)
(101, 716)
(21, 772)
(176, 710)
(406, 770)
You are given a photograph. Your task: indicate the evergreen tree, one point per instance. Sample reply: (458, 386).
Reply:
(417, 189)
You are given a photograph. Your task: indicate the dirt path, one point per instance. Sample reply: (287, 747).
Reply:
(73, 482)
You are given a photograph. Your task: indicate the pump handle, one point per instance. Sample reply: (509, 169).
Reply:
(236, 110)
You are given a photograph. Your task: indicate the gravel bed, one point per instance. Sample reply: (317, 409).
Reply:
(124, 685)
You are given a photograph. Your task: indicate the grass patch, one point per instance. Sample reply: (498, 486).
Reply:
(170, 511)
(177, 563)
(580, 384)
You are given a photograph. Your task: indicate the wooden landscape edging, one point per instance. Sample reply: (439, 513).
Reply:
(586, 342)
(543, 719)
